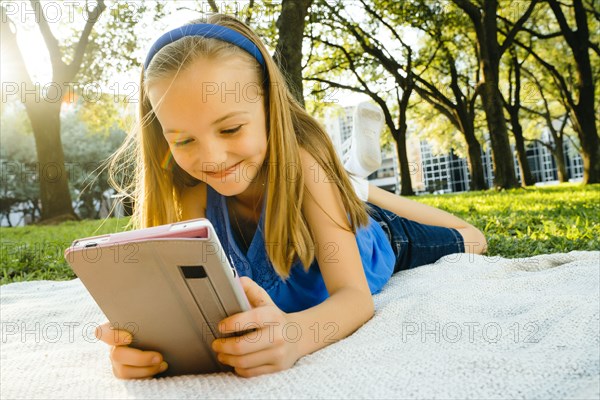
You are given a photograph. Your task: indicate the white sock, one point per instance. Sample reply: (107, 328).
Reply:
(361, 187)
(365, 150)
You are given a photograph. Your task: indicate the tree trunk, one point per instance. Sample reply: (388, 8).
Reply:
(475, 161)
(584, 110)
(517, 129)
(406, 188)
(288, 52)
(559, 157)
(526, 176)
(405, 178)
(502, 155)
(588, 136)
(487, 37)
(44, 114)
(52, 174)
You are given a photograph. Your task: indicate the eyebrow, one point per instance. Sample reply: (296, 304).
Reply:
(223, 118)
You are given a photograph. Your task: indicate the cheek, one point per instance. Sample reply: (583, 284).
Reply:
(253, 146)
(181, 158)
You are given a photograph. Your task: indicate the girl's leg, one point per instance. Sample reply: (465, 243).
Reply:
(474, 239)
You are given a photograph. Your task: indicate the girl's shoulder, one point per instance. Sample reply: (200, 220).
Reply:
(193, 201)
(324, 198)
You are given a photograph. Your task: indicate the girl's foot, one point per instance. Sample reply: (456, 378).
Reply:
(365, 150)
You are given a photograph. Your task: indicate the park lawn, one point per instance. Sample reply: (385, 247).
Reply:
(517, 223)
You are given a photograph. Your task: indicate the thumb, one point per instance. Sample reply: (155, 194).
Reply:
(257, 296)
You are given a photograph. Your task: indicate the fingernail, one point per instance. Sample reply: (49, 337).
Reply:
(163, 366)
(127, 340)
(156, 360)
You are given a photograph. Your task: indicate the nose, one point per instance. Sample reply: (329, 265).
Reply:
(212, 155)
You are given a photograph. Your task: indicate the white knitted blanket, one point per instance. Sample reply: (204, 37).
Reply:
(464, 327)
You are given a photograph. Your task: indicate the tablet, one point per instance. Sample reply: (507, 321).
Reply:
(169, 285)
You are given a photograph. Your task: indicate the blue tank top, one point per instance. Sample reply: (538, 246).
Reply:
(302, 289)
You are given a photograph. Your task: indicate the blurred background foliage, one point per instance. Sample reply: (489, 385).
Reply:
(421, 61)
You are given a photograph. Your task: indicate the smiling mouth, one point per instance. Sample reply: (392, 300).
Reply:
(223, 171)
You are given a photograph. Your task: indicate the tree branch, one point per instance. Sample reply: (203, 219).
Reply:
(468, 7)
(553, 71)
(250, 10)
(531, 31)
(517, 27)
(49, 39)
(350, 60)
(213, 6)
(93, 17)
(10, 49)
(386, 24)
(594, 47)
(387, 61)
(562, 23)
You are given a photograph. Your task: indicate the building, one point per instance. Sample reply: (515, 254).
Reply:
(446, 173)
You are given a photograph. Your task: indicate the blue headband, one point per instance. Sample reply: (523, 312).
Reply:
(208, 31)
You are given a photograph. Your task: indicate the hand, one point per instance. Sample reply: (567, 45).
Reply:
(127, 362)
(264, 350)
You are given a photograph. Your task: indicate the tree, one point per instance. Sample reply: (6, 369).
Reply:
(19, 188)
(580, 100)
(364, 70)
(484, 19)
(513, 106)
(78, 57)
(288, 53)
(550, 119)
(288, 31)
(86, 147)
(442, 73)
(447, 75)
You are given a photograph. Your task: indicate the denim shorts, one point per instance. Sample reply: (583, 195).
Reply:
(416, 244)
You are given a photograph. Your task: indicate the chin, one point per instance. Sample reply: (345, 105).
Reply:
(227, 188)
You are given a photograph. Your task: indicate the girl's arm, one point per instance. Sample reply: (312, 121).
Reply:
(282, 338)
(350, 304)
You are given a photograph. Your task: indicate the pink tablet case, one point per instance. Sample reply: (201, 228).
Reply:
(169, 285)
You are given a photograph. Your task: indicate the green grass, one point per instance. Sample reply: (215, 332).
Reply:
(36, 252)
(526, 222)
(517, 223)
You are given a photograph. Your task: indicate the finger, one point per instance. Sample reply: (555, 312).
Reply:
(134, 357)
(250, 342)
(257, 296)
(113, 337)
(129, 372)
(256, 318)
(250, 360)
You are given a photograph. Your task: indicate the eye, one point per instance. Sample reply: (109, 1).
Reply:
(233, 130)
(182, 143)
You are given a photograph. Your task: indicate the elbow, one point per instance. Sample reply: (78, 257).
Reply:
(368, 305)
(360, 301)
(474, 240)
(481, 242)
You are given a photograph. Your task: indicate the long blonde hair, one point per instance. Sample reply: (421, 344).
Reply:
(156, 190)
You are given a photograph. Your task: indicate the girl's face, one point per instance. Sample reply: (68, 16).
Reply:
(213, 119)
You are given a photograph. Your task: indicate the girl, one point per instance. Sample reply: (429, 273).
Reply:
(221, 137)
